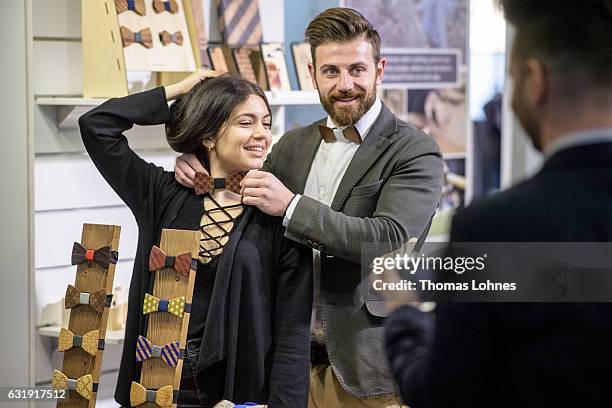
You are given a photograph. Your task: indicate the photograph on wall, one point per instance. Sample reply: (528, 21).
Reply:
(301, 59)
(155, 38)
(276, 66)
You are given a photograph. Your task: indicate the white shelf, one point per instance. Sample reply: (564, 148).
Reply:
(276, 98)
(112, 336)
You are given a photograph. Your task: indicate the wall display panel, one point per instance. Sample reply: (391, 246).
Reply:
(276, 66)
(154, 35)
(301, 59)
(425, 43)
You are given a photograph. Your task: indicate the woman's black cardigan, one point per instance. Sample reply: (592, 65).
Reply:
(259, 315)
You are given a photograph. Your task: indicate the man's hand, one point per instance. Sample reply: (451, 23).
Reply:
(186, 167)
(266, 192)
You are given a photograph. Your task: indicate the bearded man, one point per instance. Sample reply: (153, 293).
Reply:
(359, 176)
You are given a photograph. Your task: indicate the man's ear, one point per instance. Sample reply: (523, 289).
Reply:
(380, 70)
(537, 82)
(311, 70)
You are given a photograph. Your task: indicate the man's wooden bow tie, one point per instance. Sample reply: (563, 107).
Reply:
(350, 133)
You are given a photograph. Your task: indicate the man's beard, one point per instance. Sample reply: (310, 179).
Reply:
(348, 115)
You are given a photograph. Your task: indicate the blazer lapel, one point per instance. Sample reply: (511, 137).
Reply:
(308, 150)
(375, 143)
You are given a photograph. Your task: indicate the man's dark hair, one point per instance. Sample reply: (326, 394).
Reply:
(573, 39)
(200, 114)
(340, 24)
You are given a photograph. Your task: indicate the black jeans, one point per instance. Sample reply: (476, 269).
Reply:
(207, 390)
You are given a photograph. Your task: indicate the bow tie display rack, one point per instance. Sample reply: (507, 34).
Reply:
(104, 63)
(88, 301)
(165, 326)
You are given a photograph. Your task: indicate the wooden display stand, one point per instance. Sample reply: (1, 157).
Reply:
(104, 70)
(163, 327)
(90, 277)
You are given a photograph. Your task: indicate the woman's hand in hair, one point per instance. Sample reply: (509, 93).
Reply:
(181, 88)
(186, 167)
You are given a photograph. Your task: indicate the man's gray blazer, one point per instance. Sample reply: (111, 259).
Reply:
(388, 195)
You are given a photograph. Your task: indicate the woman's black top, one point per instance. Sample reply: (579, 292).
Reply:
(258, 316)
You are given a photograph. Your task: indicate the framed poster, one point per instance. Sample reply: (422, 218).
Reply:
(221, 58)
(301, 59)
(276, 66)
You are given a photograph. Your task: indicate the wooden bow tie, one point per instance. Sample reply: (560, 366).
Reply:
(90, 342)
(103, 256)
(142, 37)
(204, 184)
(350, 133)
(165, 5)
(170, 352)
(166, 38)
(83, 385)
(137, 6)
(97, 300)
(139, 395)
(181, 263)
(176, 306)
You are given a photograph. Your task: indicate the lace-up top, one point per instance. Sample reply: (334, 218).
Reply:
(216, 226)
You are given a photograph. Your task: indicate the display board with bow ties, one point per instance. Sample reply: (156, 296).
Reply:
(166, 306)
(145, 35)
(82, 343)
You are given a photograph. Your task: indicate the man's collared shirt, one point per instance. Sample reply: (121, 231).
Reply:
(578, 138)
(326, 173)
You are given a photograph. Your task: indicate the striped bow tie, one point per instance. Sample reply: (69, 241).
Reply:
(103, 256)
(176, 306)
(164, 397)
(83, 385)
(170, 352)
(165, 5)
(98, 300)
(166, 38)
(204, 184)
(350, 133)
(143, 37)
(90, 342)
(137, 6)
(181, 263)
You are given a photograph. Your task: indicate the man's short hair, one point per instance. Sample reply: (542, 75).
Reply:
(573, 39)
(340, 24)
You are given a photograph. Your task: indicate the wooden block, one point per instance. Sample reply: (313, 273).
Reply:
(164, 327)
(104, 72)
(90, 278)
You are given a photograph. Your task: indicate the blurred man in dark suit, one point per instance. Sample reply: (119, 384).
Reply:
(520, 354)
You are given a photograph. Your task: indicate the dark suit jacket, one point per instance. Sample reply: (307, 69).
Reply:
(259, 316)
(387, 196)
(509, 354)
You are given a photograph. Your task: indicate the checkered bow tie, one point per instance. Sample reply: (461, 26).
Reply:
(170, 352)
(98, 300)
(165, 5)
(137, 6)
(142, 37)
(350, 133)
(181, 263)
(205, 184)
(103, 256)
(176, 306)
